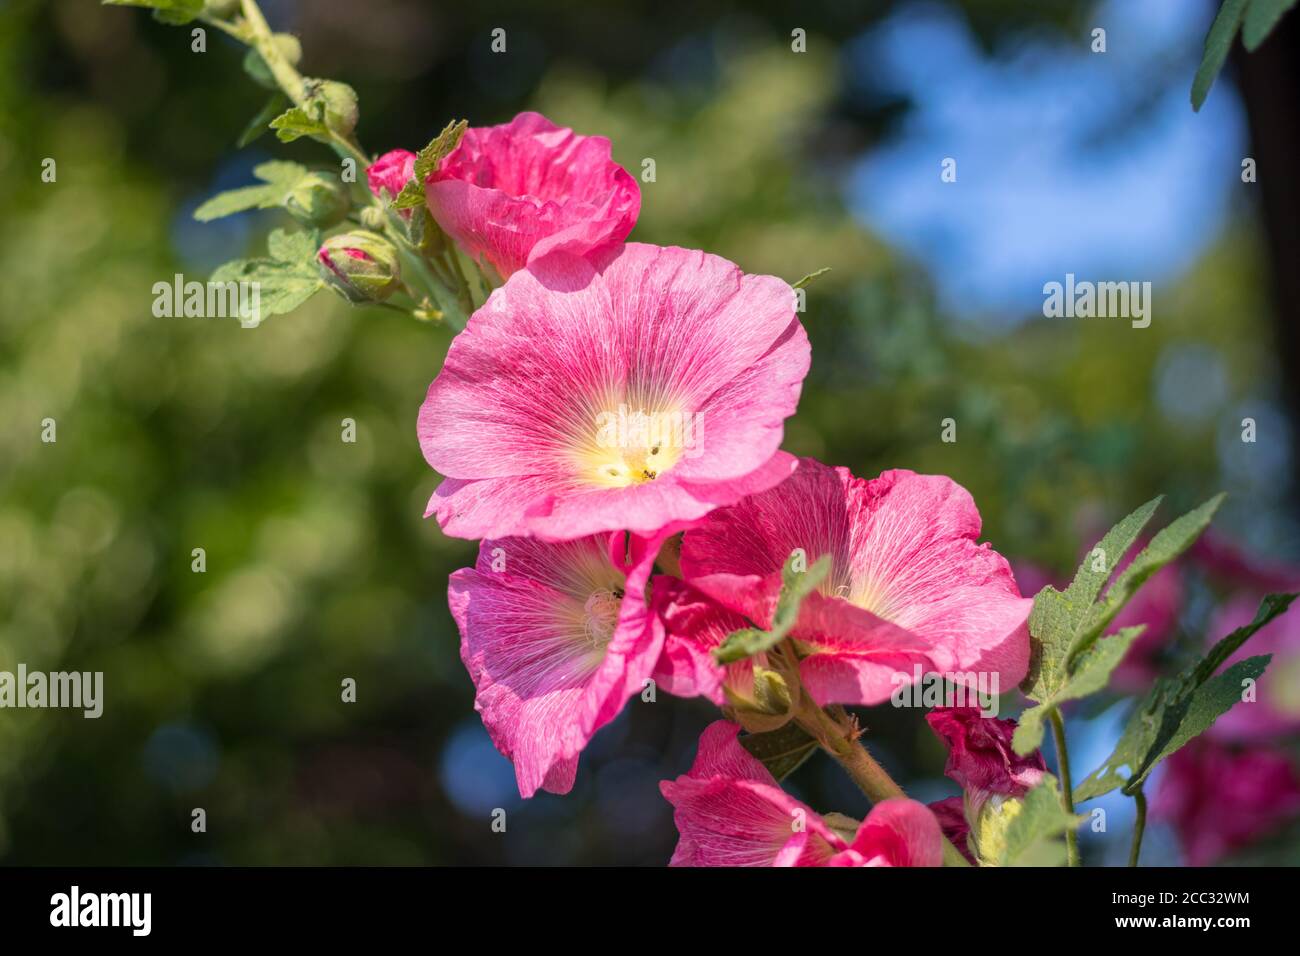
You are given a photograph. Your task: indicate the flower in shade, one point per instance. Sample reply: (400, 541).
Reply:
(980, 756)
(1220, 799)
(730, 811)
(1276, 707)
(908, 585)
(513, 193)
(646, 386)
(556, 637)
(951, 814)
(390, 172)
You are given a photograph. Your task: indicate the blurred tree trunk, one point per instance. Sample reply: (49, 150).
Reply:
(1270, 83)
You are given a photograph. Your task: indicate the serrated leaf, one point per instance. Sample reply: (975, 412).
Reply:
(810, 277)
(294, 123)
(1025, 831)
(1261, 18)
(781, 751)
(1167, 546)
(1091, 673)
(278, 178)
(1059, 617)
(426, 161)
(175, 12)
(260, 123)
(1218, 43)
(285, 280)
(795, 586)
(1177, 710)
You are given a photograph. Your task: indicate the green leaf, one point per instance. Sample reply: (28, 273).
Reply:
(1164, 548)
(782, 751)
(795, 586)
(294, 123)
(175, 12)
(1027, 831)
(287, 279)
(1060, 617)
(278, 178)
(1261, 18)
(1177, 710)
(1091, 673)
(1218, 42)
(810, 277)
(426, 161)
(260, 123)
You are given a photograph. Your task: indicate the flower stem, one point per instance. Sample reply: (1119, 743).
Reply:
(1139, 826)
(839, 738)
(1067, 788)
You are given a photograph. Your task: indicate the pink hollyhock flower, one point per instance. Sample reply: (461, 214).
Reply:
(391, 172)
(646, 386)
(556, 637)
(730, 811)
(1276, 708)
(951, 814)
(512, 193)
(1219, 799)
(908, 587)
(980, 756)
(693, 626)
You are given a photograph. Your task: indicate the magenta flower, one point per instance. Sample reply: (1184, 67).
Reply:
(951, 814)
(908, 586)
(645, 387)
(980, 756)
(1220, 799)
(390, 172)
(512, 193)
(556, 638)
(730, 811)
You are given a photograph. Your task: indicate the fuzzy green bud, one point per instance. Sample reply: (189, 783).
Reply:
(361, 266)
(318, 199)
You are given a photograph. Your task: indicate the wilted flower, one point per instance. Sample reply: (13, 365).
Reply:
(980, 755)
(908, 585)
(527, 417)
(513, 193)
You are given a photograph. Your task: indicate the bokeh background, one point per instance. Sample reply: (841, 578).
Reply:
(223, 688)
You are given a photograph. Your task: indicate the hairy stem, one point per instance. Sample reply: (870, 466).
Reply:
(839, 739)
(1139, 826)
(1067, 787)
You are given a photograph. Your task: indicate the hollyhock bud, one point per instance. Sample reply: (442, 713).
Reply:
(390, 172)
(360, 266)
(318, 199)
(338, 105)
(510, 194)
